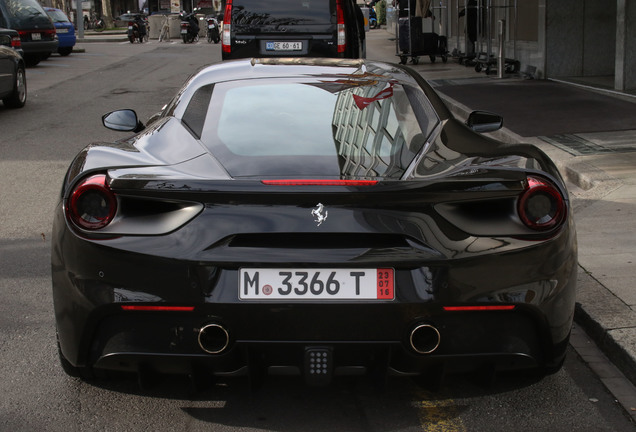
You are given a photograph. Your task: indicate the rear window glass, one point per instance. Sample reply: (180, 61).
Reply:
(57, 16)
(281, 12)
(27, 14)
(337, 127)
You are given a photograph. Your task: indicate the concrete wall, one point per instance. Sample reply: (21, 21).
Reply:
(625, 78)
(580, 37)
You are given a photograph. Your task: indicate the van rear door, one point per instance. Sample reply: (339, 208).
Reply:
(283, 28)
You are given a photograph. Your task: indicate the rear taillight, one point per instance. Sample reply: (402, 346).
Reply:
(342, 36)
(541, 206)
(16, 42)
(92, 204)
(226, 41)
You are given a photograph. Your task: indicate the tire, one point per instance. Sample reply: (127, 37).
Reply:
(217, 39)
(209, 37)
(432, 58)
(64, 51)
(99, 26)
(31, 60)
(17, 98)
(131, 38)
(185, 38)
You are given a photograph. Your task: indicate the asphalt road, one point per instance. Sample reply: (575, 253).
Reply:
(67, 96)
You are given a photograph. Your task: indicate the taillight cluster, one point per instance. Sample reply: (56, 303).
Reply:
(541, 206)
(226, 41)
(92, 204)
(16, 42)
(342, 35)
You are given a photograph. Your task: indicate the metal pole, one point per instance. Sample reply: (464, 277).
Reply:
(501, 60)
(79, 19)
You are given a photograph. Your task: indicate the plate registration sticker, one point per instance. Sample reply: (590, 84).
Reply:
(316, 284)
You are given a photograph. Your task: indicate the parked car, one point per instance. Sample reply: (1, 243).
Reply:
(256, 28)
(37, 32)
(124, 19)
(317, 217)
(65, 30)
(13, 86)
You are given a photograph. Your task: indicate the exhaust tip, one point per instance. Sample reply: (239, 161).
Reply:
(424, 339)
(213, 338)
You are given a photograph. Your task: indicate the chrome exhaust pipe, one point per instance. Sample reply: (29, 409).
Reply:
(213, 338)
(424, 339)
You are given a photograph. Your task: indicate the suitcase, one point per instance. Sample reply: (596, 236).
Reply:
(414, 37)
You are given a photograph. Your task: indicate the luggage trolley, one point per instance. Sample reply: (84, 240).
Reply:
(411, 41)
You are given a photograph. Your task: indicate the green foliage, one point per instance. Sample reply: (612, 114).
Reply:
(380, 11)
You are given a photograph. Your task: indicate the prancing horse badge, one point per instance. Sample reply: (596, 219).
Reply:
(318, 215)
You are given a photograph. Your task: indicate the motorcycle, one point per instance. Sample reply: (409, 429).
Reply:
(213, 30)
(137, 30)
(373, 18)
(189, 27)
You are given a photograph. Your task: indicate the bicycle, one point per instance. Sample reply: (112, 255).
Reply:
(164, 34)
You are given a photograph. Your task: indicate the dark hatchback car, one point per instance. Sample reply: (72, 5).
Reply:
(293, 28)
(37, 32)
(13, 91)
(311, 217)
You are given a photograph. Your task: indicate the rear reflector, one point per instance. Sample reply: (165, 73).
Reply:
(158, 308)
(478, 308)
(317, 182)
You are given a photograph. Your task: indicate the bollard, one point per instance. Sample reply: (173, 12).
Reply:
(501, 60)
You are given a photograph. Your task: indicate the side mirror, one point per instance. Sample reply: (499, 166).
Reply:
(123, 120)
(484, 121)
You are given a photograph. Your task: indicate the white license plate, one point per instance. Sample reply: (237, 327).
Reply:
(283, 46)
(130, 27)
(184, 31)
(211, 26)
(310, 284)
(36, 36)
(62, 30)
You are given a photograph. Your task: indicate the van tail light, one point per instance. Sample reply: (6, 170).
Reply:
(92, 204)
(226, 41)
(541, 206)
(342, 36)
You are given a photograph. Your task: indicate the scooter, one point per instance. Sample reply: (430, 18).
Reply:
(373, 18)
(189, 28)
(213, 29)
(137, 30)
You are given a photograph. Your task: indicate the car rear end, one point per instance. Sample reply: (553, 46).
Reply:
(253, 28)
(65, 30)
(361, 243)
(37, 32)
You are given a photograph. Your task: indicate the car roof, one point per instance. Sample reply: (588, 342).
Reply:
(288, 67)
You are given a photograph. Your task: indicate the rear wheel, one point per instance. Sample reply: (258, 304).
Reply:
(131, 38)
(185, 38)
(17, 98)
(64, 51)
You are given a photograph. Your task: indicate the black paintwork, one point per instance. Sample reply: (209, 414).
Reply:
(449, 229)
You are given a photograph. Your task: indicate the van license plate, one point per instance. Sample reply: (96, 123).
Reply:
(284, 46)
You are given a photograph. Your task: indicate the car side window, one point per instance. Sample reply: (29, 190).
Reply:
(195, 113)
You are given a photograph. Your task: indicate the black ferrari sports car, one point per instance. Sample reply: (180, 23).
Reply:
(311, 217)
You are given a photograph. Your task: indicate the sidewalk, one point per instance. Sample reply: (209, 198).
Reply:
(591, 136)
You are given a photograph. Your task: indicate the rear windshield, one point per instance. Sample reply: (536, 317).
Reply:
(57, 16)
(281, 12)
(326, 128)
(27, 14)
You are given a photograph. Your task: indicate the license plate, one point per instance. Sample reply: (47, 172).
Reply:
(284, 46)
(62, 30)
(36, 36)
(184, 31)
(320, 284)
(130, 27)
(211, 26)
